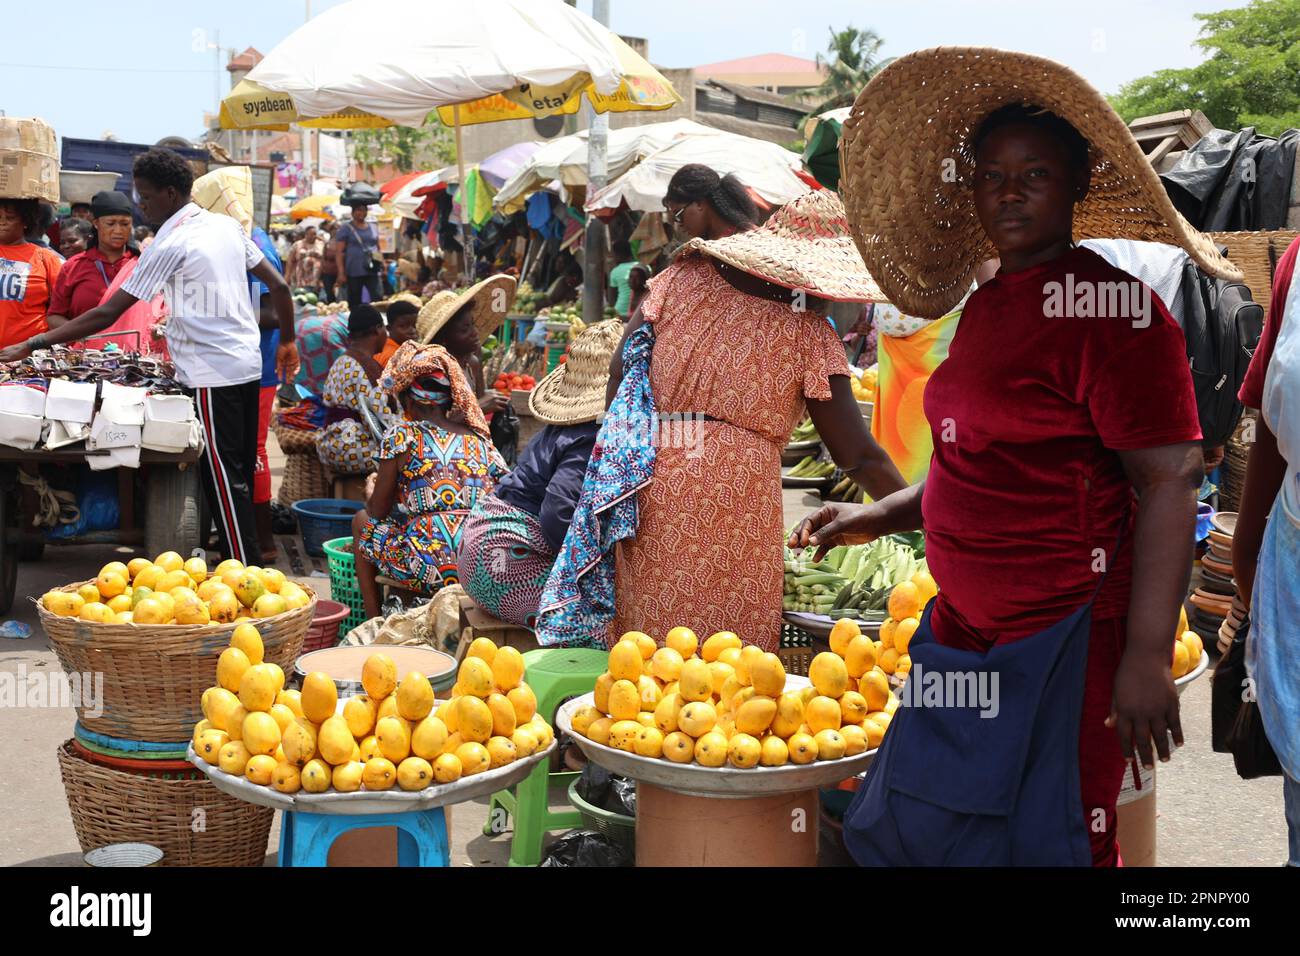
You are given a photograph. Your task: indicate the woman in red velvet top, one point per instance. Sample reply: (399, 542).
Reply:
(1056, 438)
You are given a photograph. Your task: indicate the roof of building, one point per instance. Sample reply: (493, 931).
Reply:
(762, 63)
(756, 95)
(769, 132)
(245, 61)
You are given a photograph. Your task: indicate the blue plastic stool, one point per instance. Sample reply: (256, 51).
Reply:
(306, 838)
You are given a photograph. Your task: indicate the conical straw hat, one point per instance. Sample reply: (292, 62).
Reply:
(492, 300)
(575, 392)
(907, 171)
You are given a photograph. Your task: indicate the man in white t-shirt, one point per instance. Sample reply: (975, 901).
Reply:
(199, 261)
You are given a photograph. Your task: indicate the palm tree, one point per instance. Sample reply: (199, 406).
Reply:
(854, 58)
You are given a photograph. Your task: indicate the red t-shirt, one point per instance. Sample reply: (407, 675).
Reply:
(81, 285)
(27, 275)
(1027, 414)
(1251, 393)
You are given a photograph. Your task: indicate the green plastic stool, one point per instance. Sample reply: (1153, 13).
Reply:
(555, 674)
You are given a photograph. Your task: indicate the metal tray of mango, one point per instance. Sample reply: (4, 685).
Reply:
(394, 748)
(719, 718)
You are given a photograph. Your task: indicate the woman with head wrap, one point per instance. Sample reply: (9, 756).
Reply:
(86, 276)
(347, 446)
(434, 466)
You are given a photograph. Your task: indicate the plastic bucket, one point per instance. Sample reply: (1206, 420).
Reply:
(324, 630)
(320, 519)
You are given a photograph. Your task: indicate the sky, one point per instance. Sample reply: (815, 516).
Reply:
(145, 70)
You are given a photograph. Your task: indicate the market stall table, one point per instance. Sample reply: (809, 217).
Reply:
(173, 495)
(689, 815)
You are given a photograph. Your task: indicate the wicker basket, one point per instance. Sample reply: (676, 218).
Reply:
(304, 477)
(154, 675)
(1233, 470)
(115, 806)
(296, 441)
(1257, 255)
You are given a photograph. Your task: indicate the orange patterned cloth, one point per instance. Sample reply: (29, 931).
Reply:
(707, 552)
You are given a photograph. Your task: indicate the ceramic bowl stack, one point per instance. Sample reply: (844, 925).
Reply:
(1212, 600)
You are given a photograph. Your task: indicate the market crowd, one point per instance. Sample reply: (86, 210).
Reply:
(1058, 496)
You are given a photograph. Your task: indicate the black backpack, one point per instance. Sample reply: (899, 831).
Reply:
(1222, 326)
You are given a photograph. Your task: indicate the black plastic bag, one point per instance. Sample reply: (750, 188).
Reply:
(1235, 724)
(586, 848)
(624, 791)
(505, 434)
(603, 789)
(360, 194)
(283, 520)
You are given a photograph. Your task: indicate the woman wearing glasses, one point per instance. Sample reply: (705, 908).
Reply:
(705, 205)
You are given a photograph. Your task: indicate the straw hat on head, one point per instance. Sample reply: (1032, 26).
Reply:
(907, 169)
(383, 304)
(575, 392)
(804, 245)
(492, 299)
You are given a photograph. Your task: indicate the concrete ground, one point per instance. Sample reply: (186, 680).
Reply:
(1207, 816)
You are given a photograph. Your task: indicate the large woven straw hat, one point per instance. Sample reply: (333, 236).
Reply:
(492, 300)
(906, 171)
(804, 245)
(575, 392)
(383, 304)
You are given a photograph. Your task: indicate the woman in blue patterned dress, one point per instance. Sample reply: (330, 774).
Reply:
(434, 466)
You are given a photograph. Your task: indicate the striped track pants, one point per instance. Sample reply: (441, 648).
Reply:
(228, 416)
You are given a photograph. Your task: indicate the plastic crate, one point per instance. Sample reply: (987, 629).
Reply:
(796, 650)
(619, 827)
(323, 519)
(343, 582)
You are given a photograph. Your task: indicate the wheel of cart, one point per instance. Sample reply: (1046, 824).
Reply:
(174, 517)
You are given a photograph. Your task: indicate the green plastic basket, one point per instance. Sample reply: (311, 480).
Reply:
(343, 582)
(619, 827)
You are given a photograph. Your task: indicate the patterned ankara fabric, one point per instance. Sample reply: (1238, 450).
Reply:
(347, 447)
(442, 476)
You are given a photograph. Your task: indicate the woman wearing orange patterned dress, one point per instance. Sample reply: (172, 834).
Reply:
(740, 345)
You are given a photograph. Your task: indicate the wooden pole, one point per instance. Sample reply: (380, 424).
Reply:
(466, 267)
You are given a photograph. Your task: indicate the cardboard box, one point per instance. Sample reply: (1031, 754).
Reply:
(63, 434)
(20, 431)
(70, 401)
(168, 408)
(22, 399)
(109, 434)
(122, 404)
(29, 160)
(171, 437)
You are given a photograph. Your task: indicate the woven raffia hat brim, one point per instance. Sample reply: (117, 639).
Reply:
(492, 300)
(804, 245)
(575, 392)
(410, 297)
(906, 171)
